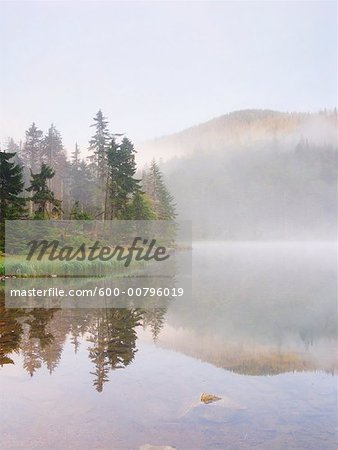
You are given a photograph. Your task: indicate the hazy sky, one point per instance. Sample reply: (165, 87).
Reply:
(158, 67)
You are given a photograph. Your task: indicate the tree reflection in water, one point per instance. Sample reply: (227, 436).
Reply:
(39, 336)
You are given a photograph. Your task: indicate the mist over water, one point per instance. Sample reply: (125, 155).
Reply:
(251, 299)
(260, 331)
(256, 175)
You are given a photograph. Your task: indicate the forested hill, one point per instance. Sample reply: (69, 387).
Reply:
(253, 174)
(241, 128)
(256, 175)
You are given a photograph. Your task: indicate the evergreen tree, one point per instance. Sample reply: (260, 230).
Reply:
(121, 184)
(13, 147)
(53, 151)
(54, 156)
(11, 186)
(154, 186)
(82, 185)
(75, 161)
(139, 208)
(33, 148)
(98, 145)
(75, 177)
(42, 196)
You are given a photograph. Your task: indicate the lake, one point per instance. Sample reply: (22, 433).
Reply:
(259, 331)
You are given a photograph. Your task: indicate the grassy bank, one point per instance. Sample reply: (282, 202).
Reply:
(18, 267)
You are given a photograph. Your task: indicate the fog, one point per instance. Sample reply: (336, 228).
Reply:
(271, 303)
(255, 175)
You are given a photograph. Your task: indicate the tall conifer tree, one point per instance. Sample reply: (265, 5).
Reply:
(42, 196)
(154, 185)
(11, 186)
(32, 153)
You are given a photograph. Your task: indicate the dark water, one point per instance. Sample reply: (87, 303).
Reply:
(260, 331)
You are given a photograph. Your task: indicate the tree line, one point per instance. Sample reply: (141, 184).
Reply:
(38, 181)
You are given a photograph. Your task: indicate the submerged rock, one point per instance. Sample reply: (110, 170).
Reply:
(214, 409)
(213, 414)
(156, 447)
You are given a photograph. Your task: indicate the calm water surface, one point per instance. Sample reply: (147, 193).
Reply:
(260, 331)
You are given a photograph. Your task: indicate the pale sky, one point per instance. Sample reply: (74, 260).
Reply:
(158, 67)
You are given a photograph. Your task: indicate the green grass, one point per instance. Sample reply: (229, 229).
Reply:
(19, 267)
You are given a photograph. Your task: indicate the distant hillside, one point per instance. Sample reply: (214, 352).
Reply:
(255, 174)
(238, 129)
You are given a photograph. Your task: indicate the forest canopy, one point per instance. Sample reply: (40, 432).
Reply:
(39, 181)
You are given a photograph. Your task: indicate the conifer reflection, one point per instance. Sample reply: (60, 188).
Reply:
(39, 336)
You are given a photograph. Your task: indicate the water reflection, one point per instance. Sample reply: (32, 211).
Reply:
(39, 335)
(256, 310)
(260, 308)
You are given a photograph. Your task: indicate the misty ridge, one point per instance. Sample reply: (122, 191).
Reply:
(255, 175)
(248, 175)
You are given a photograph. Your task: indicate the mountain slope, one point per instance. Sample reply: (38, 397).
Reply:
(255, 175)
(241, 128)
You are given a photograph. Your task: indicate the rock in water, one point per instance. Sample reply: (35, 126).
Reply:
(213, 408)
(209, 398)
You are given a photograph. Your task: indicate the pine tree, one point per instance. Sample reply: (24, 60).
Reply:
(13, 147)
(53, 151)
(82, 186)
(121, 184)
(75, 178)
(11, 186)
(33, 148)
(154, 186)
(42, 196)
(98, 145)
(75, 156)
(54, 156)
(139, 208)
